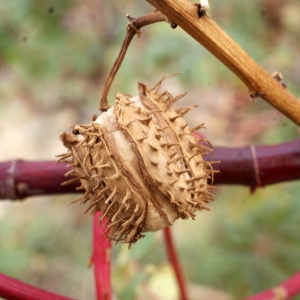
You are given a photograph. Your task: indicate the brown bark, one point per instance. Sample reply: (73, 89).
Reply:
(215, 40)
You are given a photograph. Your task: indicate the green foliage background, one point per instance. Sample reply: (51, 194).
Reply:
(54, 58)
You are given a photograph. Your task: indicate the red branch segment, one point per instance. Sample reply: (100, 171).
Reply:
(258, 166)
(175, 263)
(20, 179)
(101, 258)
(13, 289)
(286, 290)
(252, 166)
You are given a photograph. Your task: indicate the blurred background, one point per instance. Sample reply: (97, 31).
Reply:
(54, 58)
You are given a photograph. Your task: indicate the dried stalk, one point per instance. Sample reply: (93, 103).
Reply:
(133, 28)
(175, 263)
(215, 40)
(253, 166)
(288, 289)
(13, 289)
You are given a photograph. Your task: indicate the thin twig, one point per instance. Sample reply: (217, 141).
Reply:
(175, 263)
(133, 28)
(215, 40)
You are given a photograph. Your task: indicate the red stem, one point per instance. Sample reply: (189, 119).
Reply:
(13, 289)
(19, 179)
(258, 166)
(286, 290)
(251, 166)
(175, 263)
(101, 258)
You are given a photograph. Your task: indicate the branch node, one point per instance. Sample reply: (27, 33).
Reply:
(133, 25)
(253, 95)
(202, 7)
(278, 77)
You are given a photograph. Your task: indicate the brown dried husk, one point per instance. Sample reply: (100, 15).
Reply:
(140, 164)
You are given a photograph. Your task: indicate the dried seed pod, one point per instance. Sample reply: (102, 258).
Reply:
(140, 164)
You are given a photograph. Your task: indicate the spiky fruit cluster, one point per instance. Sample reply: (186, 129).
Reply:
(140, 164)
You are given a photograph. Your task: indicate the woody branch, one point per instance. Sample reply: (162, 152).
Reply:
(252, 166)
(215, 40)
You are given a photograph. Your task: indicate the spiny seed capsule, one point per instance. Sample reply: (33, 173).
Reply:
(140, 164)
